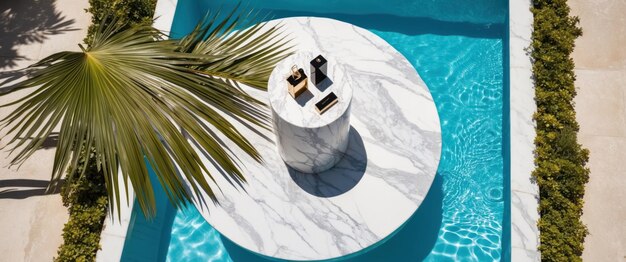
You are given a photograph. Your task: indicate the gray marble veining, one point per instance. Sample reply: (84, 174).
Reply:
(308, 141)
(392, 155)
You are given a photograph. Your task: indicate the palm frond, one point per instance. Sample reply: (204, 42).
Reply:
(136, 98)
(245, 56)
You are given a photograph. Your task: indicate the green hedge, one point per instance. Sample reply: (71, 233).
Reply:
(135, 12)
(560, 160)
(86, 195)
(86, 198)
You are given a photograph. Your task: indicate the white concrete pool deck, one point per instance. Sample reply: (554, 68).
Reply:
(31, 222)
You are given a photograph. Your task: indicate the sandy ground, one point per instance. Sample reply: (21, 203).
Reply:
(600, 57)
(31, 222)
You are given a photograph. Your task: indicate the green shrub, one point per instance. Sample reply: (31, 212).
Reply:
(85, 196)
(560, 160)
(135, 12)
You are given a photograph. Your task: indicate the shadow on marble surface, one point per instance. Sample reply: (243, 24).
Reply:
(303, 98)
(342, 177)
(325, 84)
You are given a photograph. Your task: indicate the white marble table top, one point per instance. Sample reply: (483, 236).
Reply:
(390, 163)
(301, 111)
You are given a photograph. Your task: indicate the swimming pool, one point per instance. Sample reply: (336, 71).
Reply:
(457, 48)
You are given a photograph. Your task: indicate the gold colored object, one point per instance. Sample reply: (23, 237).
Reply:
(296, 82)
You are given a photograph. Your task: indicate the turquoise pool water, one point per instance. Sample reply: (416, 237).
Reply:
(457, 47)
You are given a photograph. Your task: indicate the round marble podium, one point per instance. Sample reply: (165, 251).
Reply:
(394, 146)
(308, 141)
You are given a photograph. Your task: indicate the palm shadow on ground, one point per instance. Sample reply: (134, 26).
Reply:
(26, 22)
(24, 188)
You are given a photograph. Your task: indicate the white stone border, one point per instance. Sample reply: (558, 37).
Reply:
(524, 192)
(164, 15)
(114, 233)
(113, 236)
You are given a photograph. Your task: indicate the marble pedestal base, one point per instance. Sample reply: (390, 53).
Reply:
(308, 141)
(312, 150)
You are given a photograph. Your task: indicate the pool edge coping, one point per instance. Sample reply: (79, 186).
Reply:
(524, 193)
(113, 236)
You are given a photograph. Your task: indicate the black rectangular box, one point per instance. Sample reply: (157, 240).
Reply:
(326, 102)
(319, 69)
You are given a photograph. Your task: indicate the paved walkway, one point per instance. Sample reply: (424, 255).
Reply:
(600, 57)
(30, 222)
